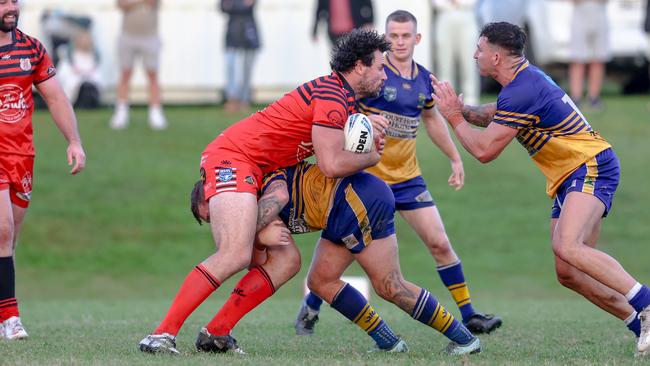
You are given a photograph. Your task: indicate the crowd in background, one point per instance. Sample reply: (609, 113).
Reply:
(456, 27)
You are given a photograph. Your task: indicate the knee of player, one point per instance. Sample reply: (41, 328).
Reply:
(438, 244)
(6, 235)
(240, 260)
(387, 288)
(565, 248)
(566, 276)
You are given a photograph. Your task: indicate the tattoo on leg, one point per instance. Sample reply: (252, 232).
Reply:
(395, 287)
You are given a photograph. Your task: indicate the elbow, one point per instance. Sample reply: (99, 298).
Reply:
(329, 171)
(485, 157)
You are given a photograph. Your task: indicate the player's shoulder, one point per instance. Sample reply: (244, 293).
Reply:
(23, 39)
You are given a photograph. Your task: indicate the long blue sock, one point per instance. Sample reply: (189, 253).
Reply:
(355, 307)
(313, 301)
(453, 277)
(429, 311)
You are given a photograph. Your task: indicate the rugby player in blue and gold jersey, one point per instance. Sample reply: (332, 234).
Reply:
(405, 100)
(581, 168)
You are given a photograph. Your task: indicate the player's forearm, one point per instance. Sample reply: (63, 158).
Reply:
(472, 141)
(64, 117)
(440, 136)
(346, 163)
(271, 203)
(479, 115)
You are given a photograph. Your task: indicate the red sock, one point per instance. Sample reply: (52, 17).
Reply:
(8, 308)
(198, 285)
(250, 291)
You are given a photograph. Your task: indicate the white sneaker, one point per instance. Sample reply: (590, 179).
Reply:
(157, 120)
(159, 343)
(643, 344)
(120, 119)
(13, 329)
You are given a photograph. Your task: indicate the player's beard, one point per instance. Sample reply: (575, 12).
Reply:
(8, 27)
(366, 89)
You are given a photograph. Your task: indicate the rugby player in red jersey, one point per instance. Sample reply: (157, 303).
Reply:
(23, 63)
(307, 121)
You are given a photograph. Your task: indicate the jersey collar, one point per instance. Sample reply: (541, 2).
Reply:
(414, 68)
(10, 46)
(344, 84)
(522, 65)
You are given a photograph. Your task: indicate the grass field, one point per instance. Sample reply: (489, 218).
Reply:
(102, 254)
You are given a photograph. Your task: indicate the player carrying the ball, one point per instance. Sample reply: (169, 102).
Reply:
(307, 121)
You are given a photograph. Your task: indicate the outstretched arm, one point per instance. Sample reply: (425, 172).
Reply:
(439, 134)
(65, 120)
(484, 145)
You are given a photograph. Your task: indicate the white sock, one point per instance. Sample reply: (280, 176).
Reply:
(635, 290)
(631, 318)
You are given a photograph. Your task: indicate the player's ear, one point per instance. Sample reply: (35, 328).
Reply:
(418, 38)
(359, 67)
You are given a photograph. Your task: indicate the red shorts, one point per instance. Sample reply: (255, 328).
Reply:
(16, 176)
(225, 170)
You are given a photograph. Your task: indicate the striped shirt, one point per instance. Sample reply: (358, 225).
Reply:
(23, 63)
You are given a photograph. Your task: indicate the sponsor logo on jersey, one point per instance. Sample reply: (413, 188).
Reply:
(6, 57)
(13, 105)
(390, 93)
(25, 64)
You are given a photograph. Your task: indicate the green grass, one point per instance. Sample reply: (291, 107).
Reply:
(102, 254)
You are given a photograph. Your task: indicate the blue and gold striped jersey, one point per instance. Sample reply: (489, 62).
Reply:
(401, 101)
(311, 195)
(551, 128)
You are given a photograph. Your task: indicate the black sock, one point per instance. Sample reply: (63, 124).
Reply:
(7, 278)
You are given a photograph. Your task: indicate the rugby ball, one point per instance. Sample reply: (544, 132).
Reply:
(358, 134)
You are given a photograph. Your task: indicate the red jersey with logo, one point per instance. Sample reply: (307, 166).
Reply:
(280, 135)
(23, 63)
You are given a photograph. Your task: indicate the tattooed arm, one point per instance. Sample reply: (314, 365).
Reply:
(275, 197)
(479, 115)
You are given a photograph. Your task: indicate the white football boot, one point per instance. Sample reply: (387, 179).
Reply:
(13, 329)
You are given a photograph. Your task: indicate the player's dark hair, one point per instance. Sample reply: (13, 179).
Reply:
(507, 36)
(360, 44)
(196, 197)
(402, 16)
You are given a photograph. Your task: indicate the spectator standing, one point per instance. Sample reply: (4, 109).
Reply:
(242, 43)
(589, 50)
(139, 39)
(342, 16)
(456, 33)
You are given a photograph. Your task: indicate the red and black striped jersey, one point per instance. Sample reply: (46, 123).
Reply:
(280, 135)
(23, 63)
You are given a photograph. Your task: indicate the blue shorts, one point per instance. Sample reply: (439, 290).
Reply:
(363, 210)
(599, 177)
(412, 194)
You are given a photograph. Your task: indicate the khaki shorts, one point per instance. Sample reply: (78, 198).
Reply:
(130, 47)
(589, 33)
